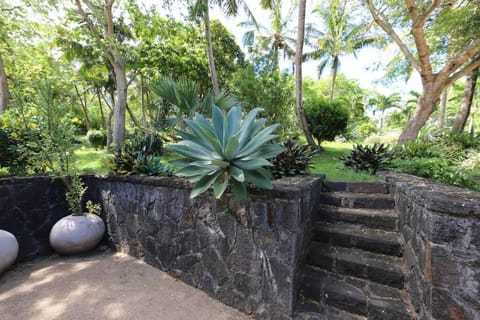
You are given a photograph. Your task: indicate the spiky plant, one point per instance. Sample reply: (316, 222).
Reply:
(294, 160)
(226, 150)
(368, 158)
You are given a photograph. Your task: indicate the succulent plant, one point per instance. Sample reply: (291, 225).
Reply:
(226, 150)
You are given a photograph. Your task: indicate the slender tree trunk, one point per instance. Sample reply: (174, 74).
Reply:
(471, 126)
(108, 126)
(5, 94)
(100, 104)
(298, 72)
(142, 101)
(208, 40)
(83, 105)
(464, 111)
(334, 78)
(120, 101)
(442, 109)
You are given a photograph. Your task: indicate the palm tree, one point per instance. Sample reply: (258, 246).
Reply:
(382, 103)
(277, 37)
(340, 38)
(298, 73)
(230, 8)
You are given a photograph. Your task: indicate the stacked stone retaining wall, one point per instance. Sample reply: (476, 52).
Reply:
(441, 229)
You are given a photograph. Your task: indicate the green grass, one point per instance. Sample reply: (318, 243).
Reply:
(89, 160)
(327, 162)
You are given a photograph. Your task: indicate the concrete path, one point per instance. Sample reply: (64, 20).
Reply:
(102, 286)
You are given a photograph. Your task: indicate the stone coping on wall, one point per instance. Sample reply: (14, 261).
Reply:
(436, 196)
(287, 188)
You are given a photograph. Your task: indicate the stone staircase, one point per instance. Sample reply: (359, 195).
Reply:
(354, 267)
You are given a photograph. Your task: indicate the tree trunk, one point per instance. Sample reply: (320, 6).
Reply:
(102, 114)
(108, 126)
(471, 127)
(464, 111)
(83, 105)
(298, 73)
(334, 77)
(5, 94)
(208, 40)
(425, 106)
(120, 101)
(442, 109)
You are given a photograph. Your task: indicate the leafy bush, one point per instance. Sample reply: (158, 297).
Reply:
(436, 169)
(326, 120)
(295, 159)
(97, 138)
(131, 160)
(150, 144)
(368, 158)
(226, 150)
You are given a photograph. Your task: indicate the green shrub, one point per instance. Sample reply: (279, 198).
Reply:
(436, 169)
(294, 160)
(147, 143)
(226, 151)
(326, 120)
(97, 138)
(368, 158)
(130, 160)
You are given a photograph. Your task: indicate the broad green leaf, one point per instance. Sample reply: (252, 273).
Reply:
(234, 117)
(251, 164)
(204, 183)
(237, 173)
(267, 151)
(258, 179)
(220, 163)
(218, 119)
(220, 185)
(239, 190)
(231, 148)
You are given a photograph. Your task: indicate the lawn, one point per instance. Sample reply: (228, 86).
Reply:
(328, 163)
(89, 160)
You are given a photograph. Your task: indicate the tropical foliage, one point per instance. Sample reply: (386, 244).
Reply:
(226, 151)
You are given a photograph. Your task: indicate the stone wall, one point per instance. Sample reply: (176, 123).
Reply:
(245, 255)
(441, 228)
(29, 207)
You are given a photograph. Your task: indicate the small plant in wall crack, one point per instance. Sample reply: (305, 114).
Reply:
(226, 151)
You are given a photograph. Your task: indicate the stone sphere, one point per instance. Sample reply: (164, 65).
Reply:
(74, 234)
(8, 250)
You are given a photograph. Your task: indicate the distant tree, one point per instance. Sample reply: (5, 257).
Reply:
(382, 103)
(341, 37)
(466, 106)
(457, 21)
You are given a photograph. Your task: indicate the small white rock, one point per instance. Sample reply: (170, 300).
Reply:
(8, 250)
(74, 234)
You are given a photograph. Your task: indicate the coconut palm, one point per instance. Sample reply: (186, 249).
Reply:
(275, 38)
(230, 8)
(339, 38)
(382, 103)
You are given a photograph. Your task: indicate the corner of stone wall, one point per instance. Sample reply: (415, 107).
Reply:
(441, 228)
(248, 256)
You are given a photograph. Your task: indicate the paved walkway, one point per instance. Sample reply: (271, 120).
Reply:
(102, 286)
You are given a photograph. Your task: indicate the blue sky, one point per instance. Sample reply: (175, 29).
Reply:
(360, 68)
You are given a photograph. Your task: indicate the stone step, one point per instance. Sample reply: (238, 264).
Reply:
(357, 296)
(313, 310)
(385, 219)
(356, 236)
(356, 200)
(375, 267)
(357, 186)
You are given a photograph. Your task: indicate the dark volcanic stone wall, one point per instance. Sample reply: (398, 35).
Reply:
(29, 207)
(245, 255)
(441, 228)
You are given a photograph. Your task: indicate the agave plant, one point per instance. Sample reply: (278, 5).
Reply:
(226, 151)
